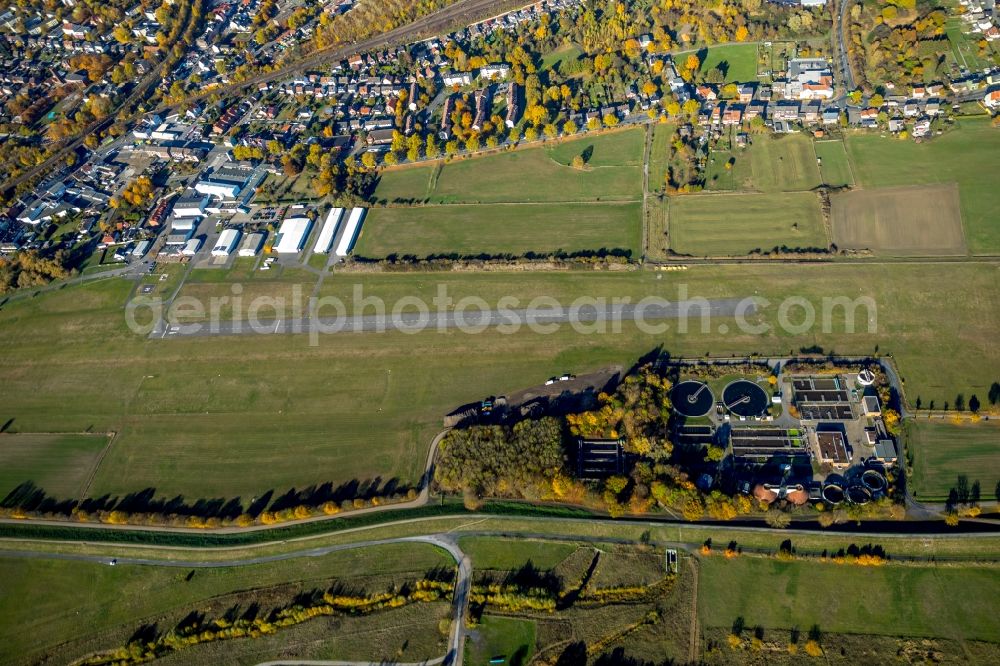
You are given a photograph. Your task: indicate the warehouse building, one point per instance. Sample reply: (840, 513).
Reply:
(190, 204)
(292, 235)
(227, 182)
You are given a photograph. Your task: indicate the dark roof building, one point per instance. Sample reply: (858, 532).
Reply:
(833, 448)
(885, 450)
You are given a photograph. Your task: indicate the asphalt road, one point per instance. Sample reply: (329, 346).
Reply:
(844, 6)
(471, 320)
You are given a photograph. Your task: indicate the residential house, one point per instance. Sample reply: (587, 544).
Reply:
(733, 115)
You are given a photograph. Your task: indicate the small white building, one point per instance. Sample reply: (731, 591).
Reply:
(226, 243)
(292, 235)
(184, 223)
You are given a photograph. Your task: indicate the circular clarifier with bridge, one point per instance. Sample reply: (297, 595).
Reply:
(692, 399)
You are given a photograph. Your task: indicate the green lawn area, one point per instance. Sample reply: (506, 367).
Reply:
(59, 463)
(228, 417)
(612, 149)
(835, 170)
(964, 156)
(411, 182)
(613, 173)
(777, 163)
(242, 270)
(509, 554)
(944, 451)
(932, 602)
(717, 177)
(735, 224)
(500, 229)
(48, 602)
(564, 53)
(738, 60)
(319, 260)
(501, 637)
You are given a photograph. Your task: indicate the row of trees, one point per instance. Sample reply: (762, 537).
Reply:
(974, 404)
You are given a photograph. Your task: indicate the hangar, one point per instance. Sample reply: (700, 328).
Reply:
(292, 235)
(351, 231)
(329, 231)
(226, 243)
(252, 244)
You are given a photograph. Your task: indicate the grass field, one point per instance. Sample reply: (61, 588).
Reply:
(500, 229)
(771, 163)
(48, 602)
(565, 53)
(662, 135)
(409, 183)
(777, 163)
(508, 554)
(61, 464)
(952, 602)
(921, 220)
(411, 633)
(835, 170)
(734, 224)
(501, 637)
(739, 61)
(235, 417)
(615, 149)
(612, 173)
(944, 451)
(962, 156)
